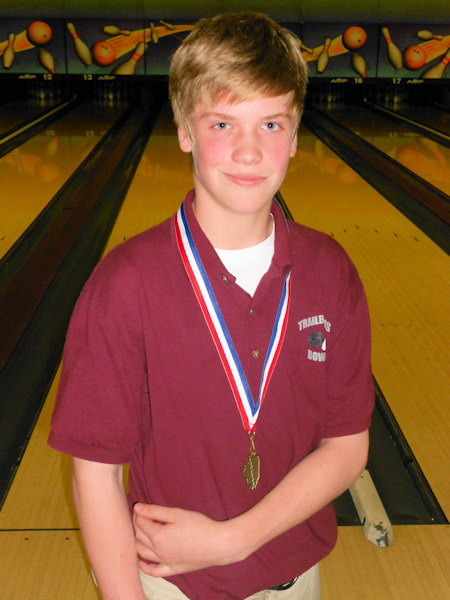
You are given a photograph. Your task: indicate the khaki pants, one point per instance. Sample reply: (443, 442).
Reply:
(307, 587)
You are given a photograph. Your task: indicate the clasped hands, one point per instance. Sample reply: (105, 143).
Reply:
(179, 541)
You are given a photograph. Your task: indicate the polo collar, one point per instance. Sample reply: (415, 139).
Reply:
(282, 260)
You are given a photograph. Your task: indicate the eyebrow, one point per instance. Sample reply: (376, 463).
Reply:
(231, 118)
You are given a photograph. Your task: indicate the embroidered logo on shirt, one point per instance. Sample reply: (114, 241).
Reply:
(316, 339)
(312, 321)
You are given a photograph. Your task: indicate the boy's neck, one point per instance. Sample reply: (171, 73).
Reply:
(227, 230)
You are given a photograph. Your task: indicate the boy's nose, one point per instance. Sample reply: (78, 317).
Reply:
(247, 150)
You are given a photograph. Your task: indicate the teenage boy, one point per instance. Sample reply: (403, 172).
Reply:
(223, 354)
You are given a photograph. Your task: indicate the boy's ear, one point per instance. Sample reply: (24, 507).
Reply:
(293, 146)
(184, 140)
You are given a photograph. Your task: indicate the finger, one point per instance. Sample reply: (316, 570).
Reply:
(146, 528)
(133, 517)
(142, 538)
(156, 570)
(162, 514)
(147, 553)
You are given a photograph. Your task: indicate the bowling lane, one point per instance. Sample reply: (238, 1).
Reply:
(324, 193)
(426, 115)
(332, 194)
(15, 113)
(162, 180)
(43, 480)
(32, 173)
(422, 156)
(407, 280)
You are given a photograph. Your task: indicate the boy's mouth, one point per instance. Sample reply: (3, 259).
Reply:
(245, 179)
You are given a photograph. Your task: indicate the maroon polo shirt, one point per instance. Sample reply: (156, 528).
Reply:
(142, 383)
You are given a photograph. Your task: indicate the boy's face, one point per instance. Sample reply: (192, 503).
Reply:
(240, 152)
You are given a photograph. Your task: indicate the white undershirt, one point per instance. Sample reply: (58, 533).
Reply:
(249, 265)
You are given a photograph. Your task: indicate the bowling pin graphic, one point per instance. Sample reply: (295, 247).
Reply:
(154, 34)
(394, 55)
(304, 48)
(359, 64)
(8, 54)
(437, 72)
(322, 59)
(113, 30)
(168, 25)
(46, 60)
(81, 50)
(426, 35)
(129, 66)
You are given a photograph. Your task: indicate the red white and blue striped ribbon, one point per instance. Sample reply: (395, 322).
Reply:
(248, 409)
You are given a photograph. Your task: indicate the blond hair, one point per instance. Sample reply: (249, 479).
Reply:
(236, 57)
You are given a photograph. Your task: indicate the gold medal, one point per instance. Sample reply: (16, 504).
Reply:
(248, 408)
(252, 467)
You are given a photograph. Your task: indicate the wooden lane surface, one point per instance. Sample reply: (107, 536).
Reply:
(415, 567)
(40, 497)
(15, 113)
(424, 157)
(428, 115)
(407, 281)
(34, 172)
(162, 180)
(51, 565)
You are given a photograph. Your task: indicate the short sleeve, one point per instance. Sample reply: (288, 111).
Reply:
(102, 396)
(350, 388)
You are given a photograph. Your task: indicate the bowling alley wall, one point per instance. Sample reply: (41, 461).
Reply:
(351, 42)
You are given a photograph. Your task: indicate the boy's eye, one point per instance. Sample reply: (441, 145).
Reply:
(221, 126)
(271, 126)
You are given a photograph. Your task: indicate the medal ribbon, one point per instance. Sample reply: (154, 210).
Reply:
(248, 409)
